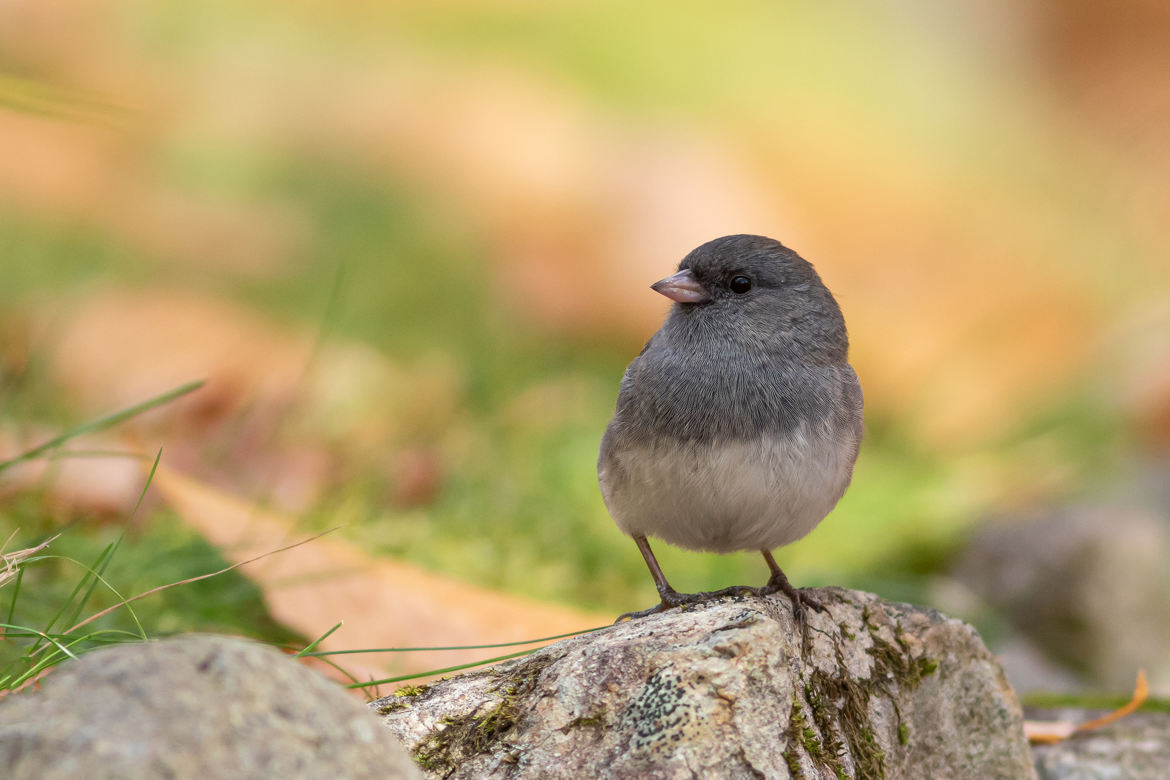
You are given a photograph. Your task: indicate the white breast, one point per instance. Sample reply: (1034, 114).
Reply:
(733, 496)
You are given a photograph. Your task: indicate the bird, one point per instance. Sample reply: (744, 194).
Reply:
(738, 425)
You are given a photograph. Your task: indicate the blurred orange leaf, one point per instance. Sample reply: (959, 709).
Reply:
(1051, 732)
(382, 602)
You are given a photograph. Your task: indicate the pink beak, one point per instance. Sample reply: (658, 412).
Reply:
(682, 287)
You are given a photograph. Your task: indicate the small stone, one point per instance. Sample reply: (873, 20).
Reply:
(1137, 747)
(1086, 584)
(192, 708)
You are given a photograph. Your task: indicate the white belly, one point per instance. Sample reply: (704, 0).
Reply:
(734, 496)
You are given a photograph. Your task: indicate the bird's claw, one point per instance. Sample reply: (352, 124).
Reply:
(672, 599)
(622, 618)
(801, 600)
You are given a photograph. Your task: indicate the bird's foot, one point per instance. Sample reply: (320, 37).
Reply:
(672, 598)
(734, 590)
(801, 599)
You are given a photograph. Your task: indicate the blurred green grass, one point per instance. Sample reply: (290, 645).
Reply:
(159, 552)
(520, 508)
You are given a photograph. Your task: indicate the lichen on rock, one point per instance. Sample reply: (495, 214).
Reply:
(732, 688)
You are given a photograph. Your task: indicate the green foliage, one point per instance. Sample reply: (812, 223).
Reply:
(49, 590)
(61, 586)
(519, 507)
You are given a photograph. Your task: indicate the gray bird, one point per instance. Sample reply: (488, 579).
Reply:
(738, 425)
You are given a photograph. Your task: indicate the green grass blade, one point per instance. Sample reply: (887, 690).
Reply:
(100, 569)
(323, 653)
(95, 576)
(87, 583)
(125, 602)
(76, 588)
(459, 668)
(318, 641)
(15, 593)
(146, 486)
(102, 424)
(63, 647)
(122, 601)
(45, 636)
(340, 669)
(96, 572)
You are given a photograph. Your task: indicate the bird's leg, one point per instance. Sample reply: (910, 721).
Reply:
(670, 597)
(779, 582)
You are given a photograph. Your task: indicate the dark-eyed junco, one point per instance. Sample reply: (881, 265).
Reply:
(738, 424)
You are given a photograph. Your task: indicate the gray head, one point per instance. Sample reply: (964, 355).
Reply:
(753, 290)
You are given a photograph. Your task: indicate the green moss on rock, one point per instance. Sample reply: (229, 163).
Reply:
(470, 734)
(840, 705)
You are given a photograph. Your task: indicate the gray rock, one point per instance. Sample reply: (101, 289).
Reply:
(196, 707)
(1088, 585)
(1030, 670)
(730, 690)
(1137, 747)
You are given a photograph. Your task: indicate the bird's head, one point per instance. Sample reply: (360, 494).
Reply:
(752, 287)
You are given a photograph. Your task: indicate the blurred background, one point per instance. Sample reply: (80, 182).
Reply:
(408, 246)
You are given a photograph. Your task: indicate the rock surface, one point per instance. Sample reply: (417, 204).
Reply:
(729, 689)
(1137, 748)
(197, 707)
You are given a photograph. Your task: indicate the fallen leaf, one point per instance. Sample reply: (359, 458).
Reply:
(1051, 732)
(382, 602)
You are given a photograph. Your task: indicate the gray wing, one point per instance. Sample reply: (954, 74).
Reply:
(613, 432)
(848, 411)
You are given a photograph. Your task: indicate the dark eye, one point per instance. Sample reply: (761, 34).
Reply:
(741, 284)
